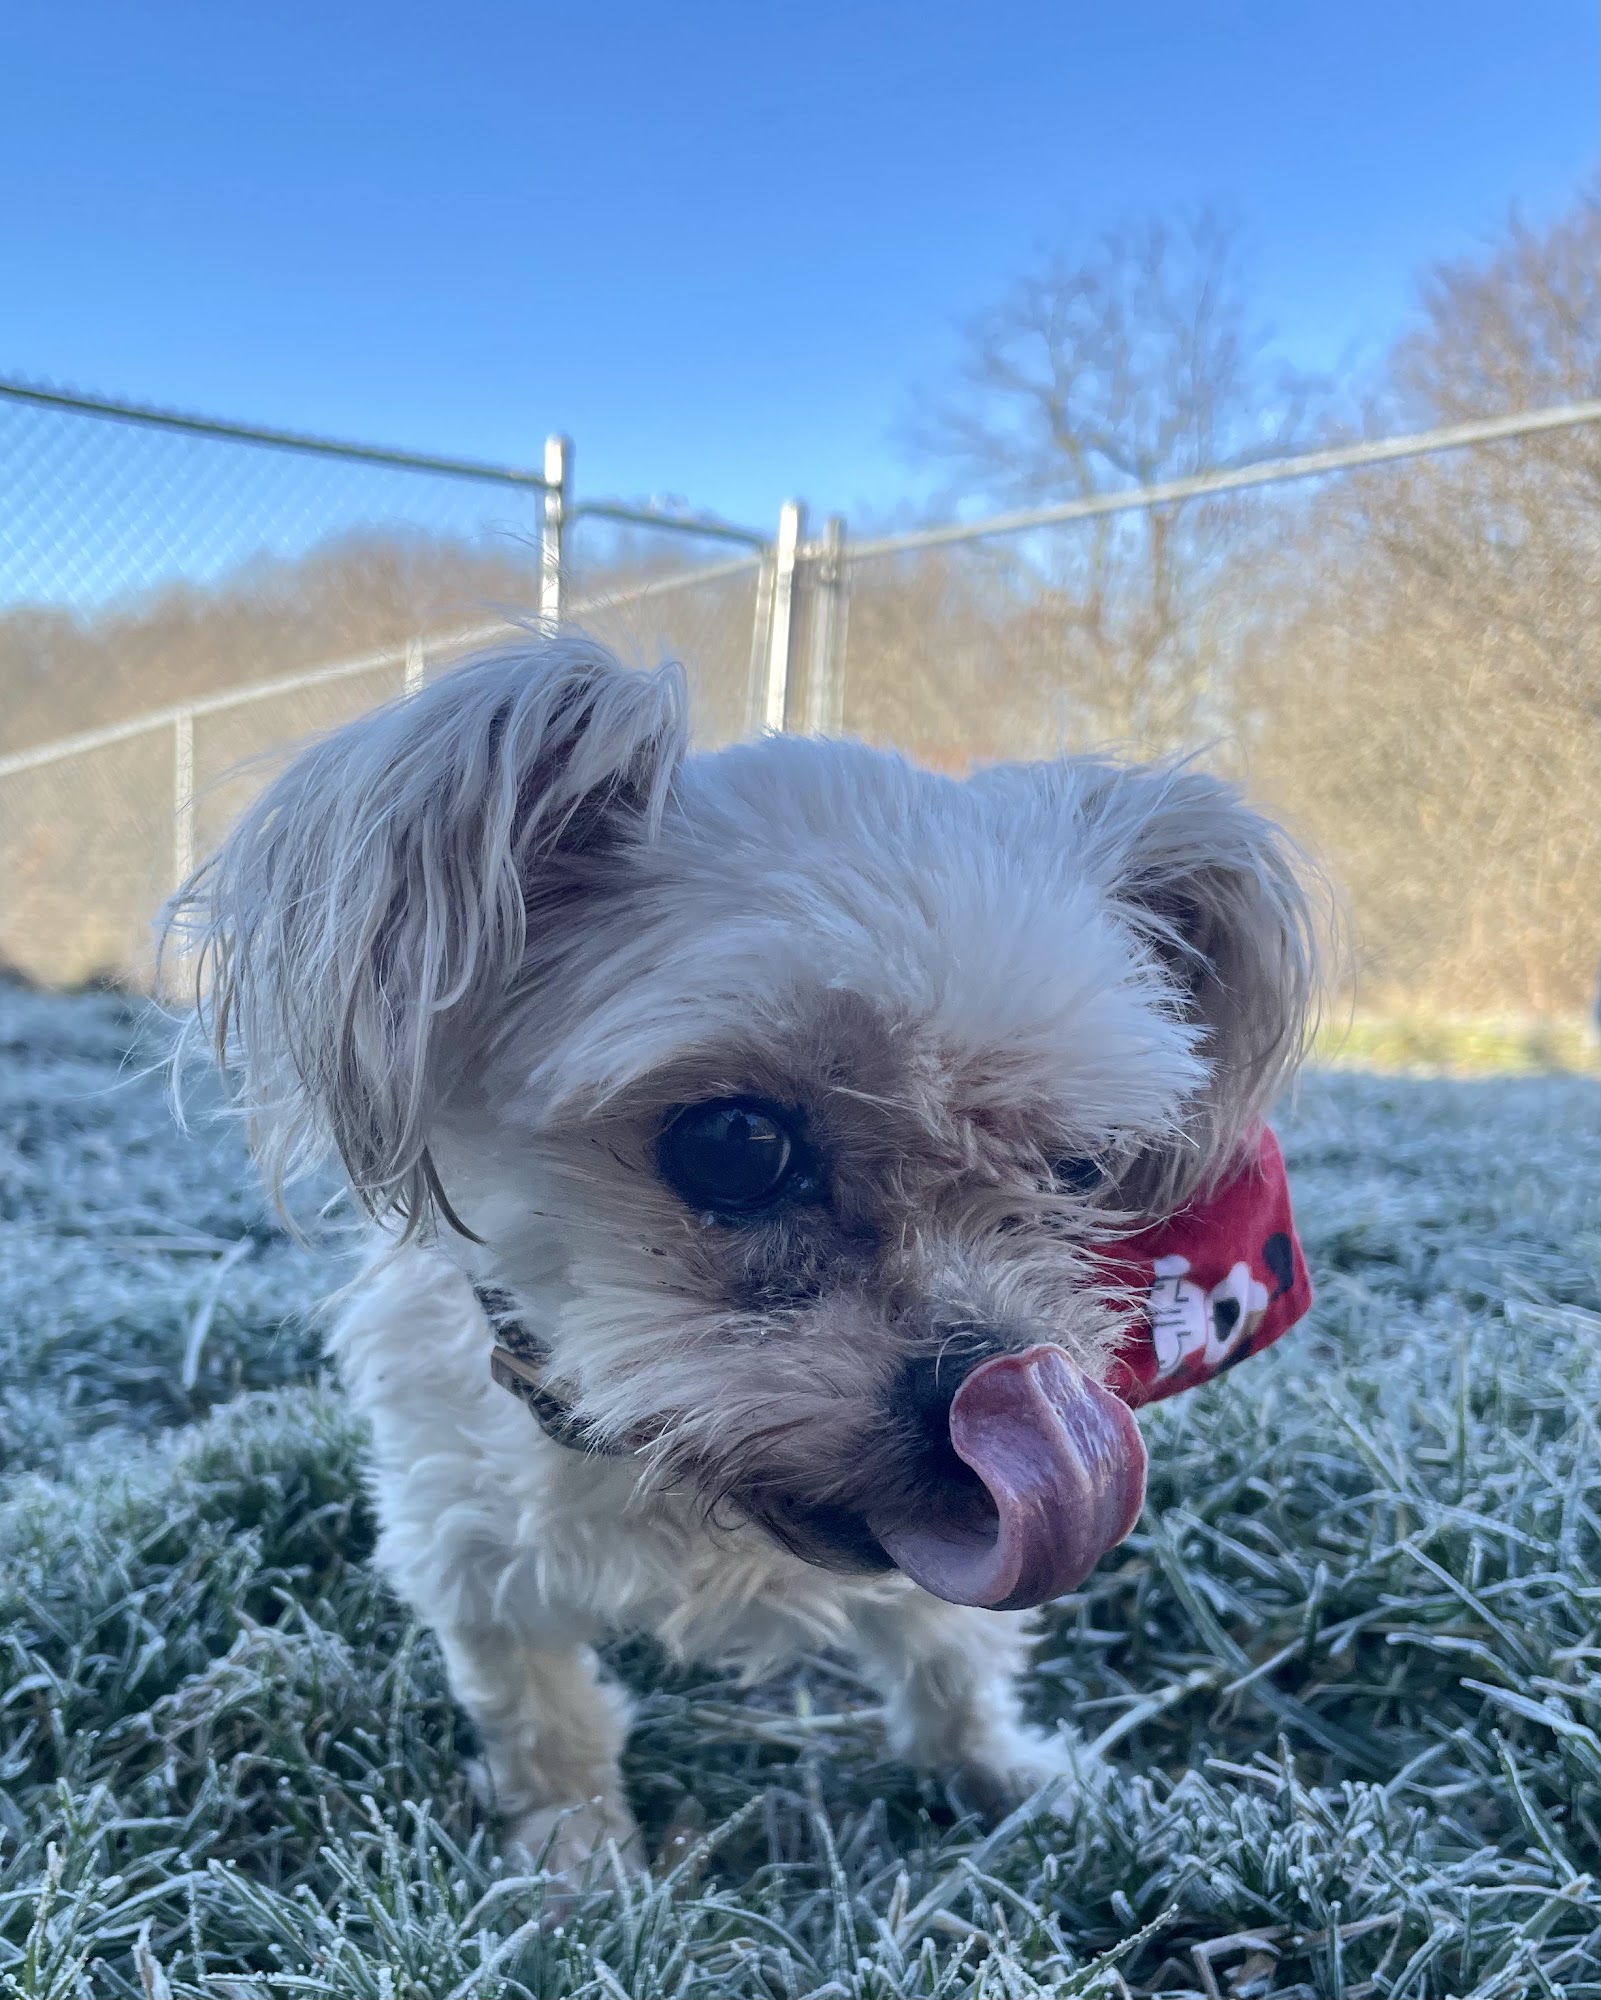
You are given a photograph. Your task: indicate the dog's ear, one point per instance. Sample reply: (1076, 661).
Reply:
(357, 934)
(1226, 903)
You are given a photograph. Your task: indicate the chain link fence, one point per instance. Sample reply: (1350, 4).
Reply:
(184, 602)
(1393, 643)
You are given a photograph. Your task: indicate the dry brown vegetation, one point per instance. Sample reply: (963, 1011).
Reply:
(1428, 686)
(62, 673)
(87, 851)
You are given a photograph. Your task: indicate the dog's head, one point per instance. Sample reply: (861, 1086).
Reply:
(785, 1089)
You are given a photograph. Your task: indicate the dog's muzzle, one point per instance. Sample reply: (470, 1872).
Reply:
(1051, 1472)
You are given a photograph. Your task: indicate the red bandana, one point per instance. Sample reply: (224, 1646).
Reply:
(1220, 1280)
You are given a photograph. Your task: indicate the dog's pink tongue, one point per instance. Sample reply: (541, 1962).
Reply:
(1064, 1463)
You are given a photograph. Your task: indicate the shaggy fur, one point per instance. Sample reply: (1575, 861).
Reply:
(482, 945)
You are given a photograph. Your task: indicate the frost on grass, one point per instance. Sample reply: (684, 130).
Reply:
(144, 1278)
(1344, 1676)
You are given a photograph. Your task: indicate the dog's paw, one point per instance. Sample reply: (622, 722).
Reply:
(581, 1846)
(1018, 1763)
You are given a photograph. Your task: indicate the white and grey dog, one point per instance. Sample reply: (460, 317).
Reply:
(752, 1116)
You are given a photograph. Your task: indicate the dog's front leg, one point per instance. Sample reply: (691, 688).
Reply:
(553, 1732)
(949, 1677)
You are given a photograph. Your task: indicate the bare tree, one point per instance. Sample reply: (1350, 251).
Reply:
(1425, 683)
(1512, 329)
(1131, 362)
(1509, 533)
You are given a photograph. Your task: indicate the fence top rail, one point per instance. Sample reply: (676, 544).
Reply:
(683, 524)
(481, 470)
(213, 704)
(214, 427)
(172, 712)
(1267, 472)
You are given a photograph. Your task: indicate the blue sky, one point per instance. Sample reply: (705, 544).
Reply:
(720, 244)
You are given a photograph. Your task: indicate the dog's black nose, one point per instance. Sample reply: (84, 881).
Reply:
(921, 1397)
(917, 1463)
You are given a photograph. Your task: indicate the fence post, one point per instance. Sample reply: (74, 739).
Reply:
(553, 514)
(761, 634)
(786, 555)
(183, 797)
(825, 690)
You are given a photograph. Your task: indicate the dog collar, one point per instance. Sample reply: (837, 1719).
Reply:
(1212, 1285)
(518, 1362)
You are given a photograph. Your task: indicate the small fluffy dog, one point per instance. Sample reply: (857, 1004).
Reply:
(752, 1116)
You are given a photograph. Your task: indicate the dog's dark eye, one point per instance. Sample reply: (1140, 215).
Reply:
(1078, 1175)
(734, 1156)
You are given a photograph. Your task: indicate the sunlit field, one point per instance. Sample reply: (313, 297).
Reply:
(1337, 1694)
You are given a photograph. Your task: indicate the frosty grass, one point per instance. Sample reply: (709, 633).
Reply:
(1343, 1678)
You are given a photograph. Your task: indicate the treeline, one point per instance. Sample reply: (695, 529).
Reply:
(61, 673)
